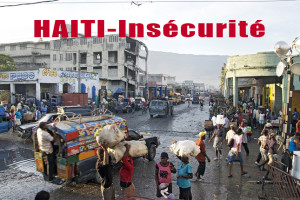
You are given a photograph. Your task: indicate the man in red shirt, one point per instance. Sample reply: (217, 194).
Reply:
(201, 156)
(126, 171)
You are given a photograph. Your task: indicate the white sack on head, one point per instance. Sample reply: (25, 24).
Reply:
(136, 149)
(117, 153)
(185, 148)
(111, 135)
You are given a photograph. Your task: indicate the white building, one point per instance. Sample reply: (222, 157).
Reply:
(36, 82)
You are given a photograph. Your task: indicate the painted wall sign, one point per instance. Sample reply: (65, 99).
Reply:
(18, 76)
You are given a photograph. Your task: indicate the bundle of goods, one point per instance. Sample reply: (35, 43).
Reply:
(232, 123)
(136, 149)
(185, 148)
(113, 137)
(110, 135)
(28, 116)
(208, 125)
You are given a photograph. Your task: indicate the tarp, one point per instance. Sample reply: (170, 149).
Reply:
(119, 90)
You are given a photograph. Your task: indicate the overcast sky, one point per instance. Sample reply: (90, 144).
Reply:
(281, 20)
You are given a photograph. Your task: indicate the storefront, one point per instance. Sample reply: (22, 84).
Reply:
(40, 83)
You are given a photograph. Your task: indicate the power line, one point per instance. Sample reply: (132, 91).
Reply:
(26, 4)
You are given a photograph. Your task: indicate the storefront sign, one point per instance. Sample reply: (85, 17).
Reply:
(18, 76)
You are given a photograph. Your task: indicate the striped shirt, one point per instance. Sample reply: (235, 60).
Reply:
(44, 140)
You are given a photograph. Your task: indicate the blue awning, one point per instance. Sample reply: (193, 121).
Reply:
(119, 90)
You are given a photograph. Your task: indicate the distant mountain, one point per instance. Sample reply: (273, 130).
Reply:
(199, 68)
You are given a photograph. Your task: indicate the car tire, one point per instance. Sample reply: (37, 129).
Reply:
(151, 116)
(151, 152)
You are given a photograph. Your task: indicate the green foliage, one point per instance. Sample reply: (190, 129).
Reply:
(7, 63)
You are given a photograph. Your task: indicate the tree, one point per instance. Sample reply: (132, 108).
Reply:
(7, 63)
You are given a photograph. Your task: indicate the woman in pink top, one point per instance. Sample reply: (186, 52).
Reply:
(163, 172)
(12, 119)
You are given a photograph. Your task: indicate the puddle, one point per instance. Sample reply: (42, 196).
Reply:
(10, 157)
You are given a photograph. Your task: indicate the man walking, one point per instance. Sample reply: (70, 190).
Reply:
(235, 154)
(104, 171)
(126, 171)
(201, 156)
(218, 142)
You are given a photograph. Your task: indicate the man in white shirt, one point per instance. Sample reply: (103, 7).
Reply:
(214, 120)
(235, 154)
(230, 134)
(226, 122)
(44, 140)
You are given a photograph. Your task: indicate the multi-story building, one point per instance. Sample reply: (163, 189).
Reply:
(116, 60)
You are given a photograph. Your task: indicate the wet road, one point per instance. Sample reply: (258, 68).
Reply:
(185, 124)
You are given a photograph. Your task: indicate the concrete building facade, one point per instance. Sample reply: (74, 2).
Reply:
(114, 59)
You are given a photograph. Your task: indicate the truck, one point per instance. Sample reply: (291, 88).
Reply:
(175, 97)
(196, 99)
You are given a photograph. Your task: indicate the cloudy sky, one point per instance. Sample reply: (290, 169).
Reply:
(281, 19)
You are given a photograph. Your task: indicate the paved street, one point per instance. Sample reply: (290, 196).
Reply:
(185, 124)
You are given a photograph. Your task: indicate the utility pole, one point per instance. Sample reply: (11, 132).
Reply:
(289, 100)
(146, 69)
(126, 90)
(79, 72)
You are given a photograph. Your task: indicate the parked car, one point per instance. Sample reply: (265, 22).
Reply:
(25, 130)
(128, 100)
(77, 110)
(139, 101)
(160, 108)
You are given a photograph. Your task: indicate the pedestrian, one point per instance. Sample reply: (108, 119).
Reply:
(13, 107)
(235, 153)
(273, 116)
(225, 126)
(218, 142)
(214, 120)
(263, 142)
(22, 114)
(244, 107)
(18, 117)
(38, 114)
(298, 126)
(184, 174)
(201, 157)
(245, 138)
(44, 141)
(294, 143)
(132, 107)
(163, 170)
(42, 195)
(261, 119)
(272, 151)
(13, 119)
(254, 118)
(104, 171)
(126, 171)
(295, 118)
(230, 134)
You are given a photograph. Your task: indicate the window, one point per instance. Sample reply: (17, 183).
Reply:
(57, 44)
(47, 45)
(2, 48)
(83, 58)
(61, 57)
(98, 70)
(69, 68)
(115, 83)
(83, 68)
(68, 56)
(83, 41)
(113, 38)
(97, 57)
(113, 56)
(112, 71)
(23, 46)
(12, 47)
(97, 40)
(61, 69)
(69, 42)
(54, 57)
